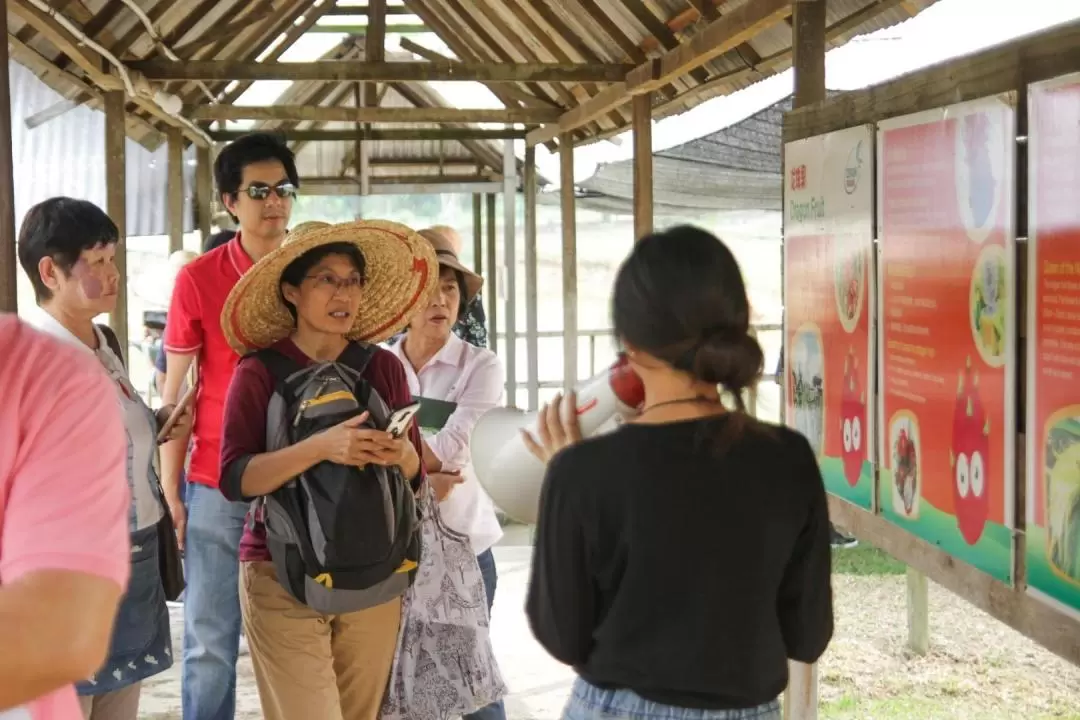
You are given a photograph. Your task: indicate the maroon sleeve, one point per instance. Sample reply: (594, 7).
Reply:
(388, 377)
(243, 432)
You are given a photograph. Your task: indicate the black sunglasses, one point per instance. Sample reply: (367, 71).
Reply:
(260, 191)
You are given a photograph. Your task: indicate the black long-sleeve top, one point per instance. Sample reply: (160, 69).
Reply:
(683, 573)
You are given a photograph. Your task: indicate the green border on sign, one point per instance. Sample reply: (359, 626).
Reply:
(992, 554)
(832, 470)
(1043, 577)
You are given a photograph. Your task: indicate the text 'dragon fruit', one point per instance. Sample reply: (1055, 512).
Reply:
(970, 457)
(853, 420)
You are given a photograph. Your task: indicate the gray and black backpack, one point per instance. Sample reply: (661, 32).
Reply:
(342, 538)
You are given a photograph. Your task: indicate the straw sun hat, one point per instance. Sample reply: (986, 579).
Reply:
(447, 257)
(401, 272)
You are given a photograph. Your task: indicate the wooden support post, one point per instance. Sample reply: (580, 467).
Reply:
(801, 698)
(176, 190)
(478, 233)
(9, 293)
(569, 261)
(643, 166)
(918, 612)
(492, 279)
(808, 34)
(204, 191)
(532, 341)
(116, 202)
(510, 263)
(808, 40)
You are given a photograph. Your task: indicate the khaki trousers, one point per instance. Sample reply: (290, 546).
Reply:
(309, 665)
(122, 704)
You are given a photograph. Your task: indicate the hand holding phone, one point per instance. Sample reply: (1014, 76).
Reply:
(175, 415)
(400, 419)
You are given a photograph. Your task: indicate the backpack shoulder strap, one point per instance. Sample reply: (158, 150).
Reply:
(281, 366)
(357, 356)
(113, 342)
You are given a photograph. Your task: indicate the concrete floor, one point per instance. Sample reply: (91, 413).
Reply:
(538, 685)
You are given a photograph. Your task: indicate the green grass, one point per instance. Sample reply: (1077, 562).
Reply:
(865, 560)
(848, 707)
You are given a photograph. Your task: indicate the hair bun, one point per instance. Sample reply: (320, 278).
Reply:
(728, 357)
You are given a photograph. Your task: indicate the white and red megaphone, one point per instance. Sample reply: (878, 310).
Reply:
(505, 467)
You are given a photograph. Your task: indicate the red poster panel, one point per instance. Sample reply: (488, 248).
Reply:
(947, 308)
(829, 305)
(1053, 330)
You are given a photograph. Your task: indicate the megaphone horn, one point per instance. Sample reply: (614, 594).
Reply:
(508, 471)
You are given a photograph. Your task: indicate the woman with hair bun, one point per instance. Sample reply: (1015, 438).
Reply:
(682, 559)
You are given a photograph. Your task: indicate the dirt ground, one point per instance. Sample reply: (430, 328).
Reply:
(977, 668)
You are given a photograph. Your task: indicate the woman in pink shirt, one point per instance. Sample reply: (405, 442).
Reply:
(67, 248)
(63, 521)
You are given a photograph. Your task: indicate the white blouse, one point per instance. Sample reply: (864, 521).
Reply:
(139, 423)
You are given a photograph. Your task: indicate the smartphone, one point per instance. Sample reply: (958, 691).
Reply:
(185, 401)
(400, 419)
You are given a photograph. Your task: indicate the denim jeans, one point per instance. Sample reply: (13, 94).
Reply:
(588, 702)
(486, 561)
(211, 604)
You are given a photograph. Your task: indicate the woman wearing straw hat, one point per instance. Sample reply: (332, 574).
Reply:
(456, 382)
(324, 290)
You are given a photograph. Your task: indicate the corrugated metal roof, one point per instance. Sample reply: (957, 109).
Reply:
(66, 156)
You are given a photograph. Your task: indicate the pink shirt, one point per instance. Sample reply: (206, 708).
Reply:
(64, 496)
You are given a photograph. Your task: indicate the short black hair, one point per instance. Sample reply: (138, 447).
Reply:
(217, 239)
(251, 148)
(61, 228)
(295, 272)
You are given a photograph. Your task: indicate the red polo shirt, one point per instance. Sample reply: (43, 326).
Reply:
(193, 327)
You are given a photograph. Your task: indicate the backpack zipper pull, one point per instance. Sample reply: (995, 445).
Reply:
(307, 403)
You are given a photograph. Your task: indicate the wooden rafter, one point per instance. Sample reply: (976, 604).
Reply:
(715, 39)
(89, 61)
(483, 155)
(352, 71)
(511, 90)
(417, 134)
(465, 36)
(373, 114)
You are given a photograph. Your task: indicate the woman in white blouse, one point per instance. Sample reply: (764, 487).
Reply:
(456, 383)
(68, 248)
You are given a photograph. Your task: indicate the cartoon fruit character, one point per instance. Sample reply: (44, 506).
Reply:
(1063, 509)
(852, 420)
(970, 457)
(981, 183)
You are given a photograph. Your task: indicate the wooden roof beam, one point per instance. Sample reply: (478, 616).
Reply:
(353, 71)
(358, 10)
(406, 134)
(90, 62)
(313, 113)
(718, 37)
(516, 93)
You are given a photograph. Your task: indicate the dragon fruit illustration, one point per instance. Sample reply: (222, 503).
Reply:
(853, 420)
(970, 457)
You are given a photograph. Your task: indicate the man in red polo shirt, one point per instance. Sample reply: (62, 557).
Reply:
(256, 176)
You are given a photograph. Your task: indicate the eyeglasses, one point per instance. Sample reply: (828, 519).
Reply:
(329, 281)
(261, 191)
